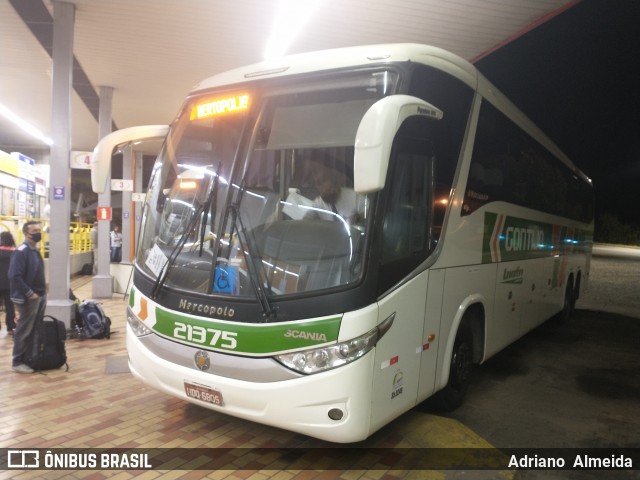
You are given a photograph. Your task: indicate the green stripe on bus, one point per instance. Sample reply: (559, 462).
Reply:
(248, 339)
(489, 225)
(507, 238)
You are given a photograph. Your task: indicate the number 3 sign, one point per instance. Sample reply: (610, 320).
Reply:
(122, 185)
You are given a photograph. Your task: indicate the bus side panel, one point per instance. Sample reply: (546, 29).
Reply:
(463, 287)
(510, 299)
(545, 295)
(546, 279)
(431, 334)
(397, 356)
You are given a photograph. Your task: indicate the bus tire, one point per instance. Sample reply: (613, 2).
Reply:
(460, 372)
(569, 302)
(576, 289)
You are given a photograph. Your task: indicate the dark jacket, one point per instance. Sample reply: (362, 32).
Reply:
(26, 273)
(5, 259)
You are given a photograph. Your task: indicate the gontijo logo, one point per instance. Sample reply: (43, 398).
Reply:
(511, 238)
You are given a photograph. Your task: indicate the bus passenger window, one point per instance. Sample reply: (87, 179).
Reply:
(509, 165)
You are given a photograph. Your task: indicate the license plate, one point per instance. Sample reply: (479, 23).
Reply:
(204, 394)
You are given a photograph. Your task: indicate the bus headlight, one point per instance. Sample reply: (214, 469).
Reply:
(325, 358)
(138, 327)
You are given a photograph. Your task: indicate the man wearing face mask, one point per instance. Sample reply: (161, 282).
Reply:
(28, 293)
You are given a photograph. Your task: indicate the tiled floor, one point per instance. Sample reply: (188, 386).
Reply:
(98, 404)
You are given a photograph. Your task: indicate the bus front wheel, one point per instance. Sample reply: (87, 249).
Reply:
(460, 372)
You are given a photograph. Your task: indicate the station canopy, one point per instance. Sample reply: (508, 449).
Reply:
(152, 52)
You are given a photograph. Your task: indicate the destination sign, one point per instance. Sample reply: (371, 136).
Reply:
(220, 107)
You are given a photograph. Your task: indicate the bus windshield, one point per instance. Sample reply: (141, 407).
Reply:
(253, 194)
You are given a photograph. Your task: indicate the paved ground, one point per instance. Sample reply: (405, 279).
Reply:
(615, 282)
(569, 385)
(98, 404)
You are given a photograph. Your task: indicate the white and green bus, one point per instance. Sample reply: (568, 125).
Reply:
(330, 238)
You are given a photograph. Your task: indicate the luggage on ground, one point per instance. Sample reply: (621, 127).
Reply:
(93, 321)
(48, 350)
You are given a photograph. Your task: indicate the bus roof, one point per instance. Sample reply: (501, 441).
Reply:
(347, 57)
(380, 54)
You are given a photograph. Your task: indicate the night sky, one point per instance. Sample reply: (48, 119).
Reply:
(578, 77)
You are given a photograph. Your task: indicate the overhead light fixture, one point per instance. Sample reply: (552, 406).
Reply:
(24, 125)
(291, 16)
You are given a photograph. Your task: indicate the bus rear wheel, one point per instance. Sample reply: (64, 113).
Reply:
(569, 302)
(460, 372)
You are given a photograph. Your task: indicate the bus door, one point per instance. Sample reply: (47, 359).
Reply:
(406, 357)
(431, 334)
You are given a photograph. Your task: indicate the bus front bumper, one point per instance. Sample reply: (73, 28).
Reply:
(334, 405)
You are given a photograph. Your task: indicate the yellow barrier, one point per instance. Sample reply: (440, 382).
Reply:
(79, 233)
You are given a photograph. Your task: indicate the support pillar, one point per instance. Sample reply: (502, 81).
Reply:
(128, 162)
(102, 284)
(137, 187)
(58, 303)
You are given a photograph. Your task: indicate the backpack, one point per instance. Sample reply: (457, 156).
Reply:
(87, 269)
(48, 351)
(94, 322)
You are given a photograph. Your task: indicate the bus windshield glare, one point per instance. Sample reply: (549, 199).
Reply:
(253, 194)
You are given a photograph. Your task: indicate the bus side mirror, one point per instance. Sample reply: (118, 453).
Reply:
(375, 136)
(101, 156)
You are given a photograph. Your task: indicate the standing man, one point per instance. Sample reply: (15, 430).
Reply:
(28, 293)
(116, 244)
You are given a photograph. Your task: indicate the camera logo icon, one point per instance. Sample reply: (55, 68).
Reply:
(23, 459)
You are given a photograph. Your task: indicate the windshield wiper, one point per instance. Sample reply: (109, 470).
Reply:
(162, 278)
(253, 270)
(210, 208)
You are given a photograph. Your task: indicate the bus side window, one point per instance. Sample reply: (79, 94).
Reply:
(408, 216)
(509, 165)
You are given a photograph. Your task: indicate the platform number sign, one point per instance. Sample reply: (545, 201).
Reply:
(58, 193)
(103, 213)
(120, 185)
